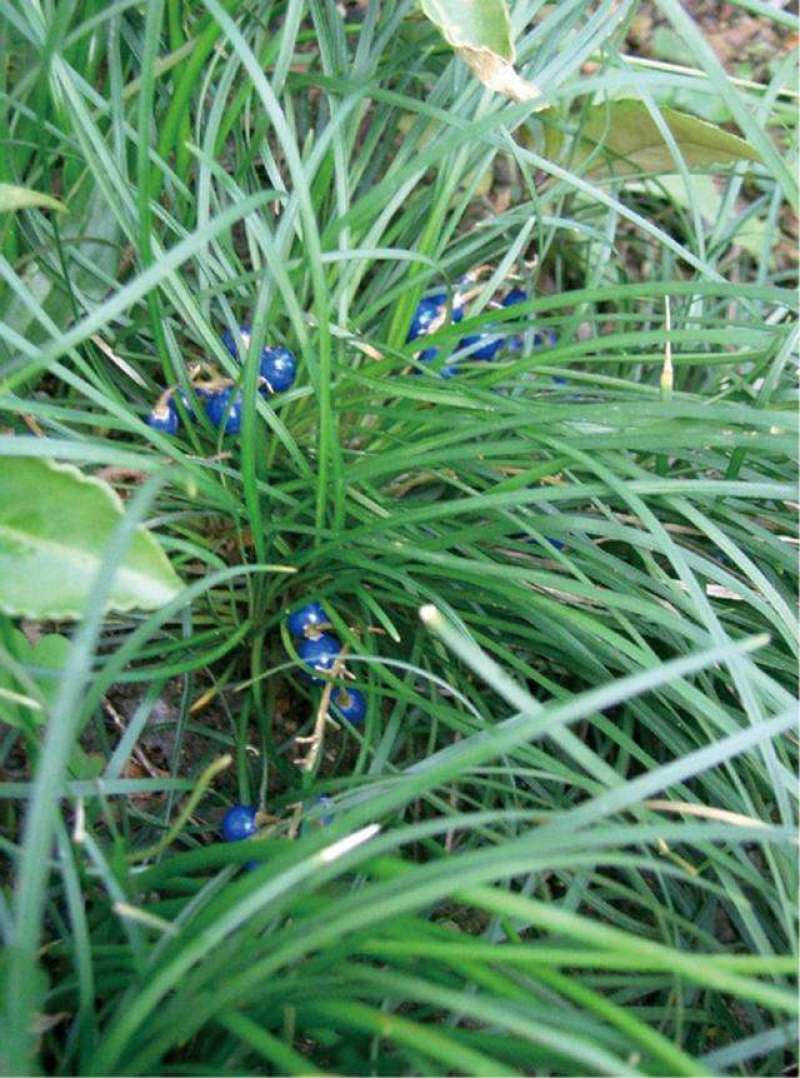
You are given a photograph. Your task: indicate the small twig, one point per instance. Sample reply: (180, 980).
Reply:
(676, 859)
(202, 367)
(367, 349)
(708, 812)
(294, 819)
(316, 740)
(32, 425)
(203, 700)
(140, 755)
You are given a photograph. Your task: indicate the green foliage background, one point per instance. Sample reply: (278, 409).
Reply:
(582, 768)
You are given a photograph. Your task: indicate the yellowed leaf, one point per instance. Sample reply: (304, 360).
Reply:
(499, 75)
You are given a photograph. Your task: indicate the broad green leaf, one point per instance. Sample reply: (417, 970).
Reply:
(23, 198)
(55, 524)
(621, 138)
(481, 35)
(51, 652)
(85, 765)
(479, 26)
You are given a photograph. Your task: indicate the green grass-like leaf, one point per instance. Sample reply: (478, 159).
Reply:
(564, 839)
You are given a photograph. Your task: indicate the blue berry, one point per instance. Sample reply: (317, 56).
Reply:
(490, 345)
(449, 370)
(225, 406)
(320, 654)
(321, 802)
(278, 368)
(203, 395)
(230, 343)
(430, 310)
(350, 705)
(308, 620)
(239, 822)
(542, 338)
(516, 295)
(164, 417)
(545, 338)
(277, 365)
(325, 802)
(427, 354)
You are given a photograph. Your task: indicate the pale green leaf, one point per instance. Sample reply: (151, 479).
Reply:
(50, 652)
(481, 35)
(23, 198)
(55, 524)
(621, 138)
(85, 765)
(477, 26)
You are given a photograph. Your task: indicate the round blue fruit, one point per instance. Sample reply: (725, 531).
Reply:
(321, 804)
(164, 417)
(203, 395)
(427, 354)
(225, 406)
(277, 365)
(230, 343)
(545, 338)
(239, 822)
(516, 295)
(429, 310)
(327, 804)
(490, 345)
(278, 368)
(350, 705)
(308, 620)
(324, 802)
(320, 653)
(449, 370)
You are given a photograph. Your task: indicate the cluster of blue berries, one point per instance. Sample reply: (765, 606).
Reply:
(221, 399)
(320, 650)
(432, 313)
